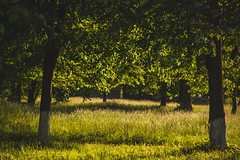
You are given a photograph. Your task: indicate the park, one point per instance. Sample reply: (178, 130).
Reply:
(174, 66)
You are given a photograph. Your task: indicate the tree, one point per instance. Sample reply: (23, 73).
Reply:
(231, 72)
(60, 17)
(201, 27)
(184, 96)
(53, 21)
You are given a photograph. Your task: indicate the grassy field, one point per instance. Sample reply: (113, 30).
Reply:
(119, 129)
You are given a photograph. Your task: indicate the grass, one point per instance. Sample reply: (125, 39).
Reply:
(119, 129)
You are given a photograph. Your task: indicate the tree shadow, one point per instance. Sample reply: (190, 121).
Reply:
(18, 140)
(98, 139)
(65, 108)
(231, 152)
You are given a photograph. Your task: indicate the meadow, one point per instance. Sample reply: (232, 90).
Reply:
(118, 129)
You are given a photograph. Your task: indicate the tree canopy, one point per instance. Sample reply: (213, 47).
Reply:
(145, 44)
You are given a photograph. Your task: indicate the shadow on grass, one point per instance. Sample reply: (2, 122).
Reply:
(65, 108)
(231, 152)
(104, 139)
(17, 140)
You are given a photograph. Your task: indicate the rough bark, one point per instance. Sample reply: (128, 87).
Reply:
(184, 96)
(44, 127)
(48, 68)
(217, 123)
(31, 93)
(234, 101)
(217, 132)
(164, 94)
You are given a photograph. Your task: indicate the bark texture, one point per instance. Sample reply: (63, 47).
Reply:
(46, 97)
(217, 124)
(184, 96)
(44, 127)
(218, 132)
(217, 114)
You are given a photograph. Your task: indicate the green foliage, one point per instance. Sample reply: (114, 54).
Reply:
(113, 131)
(105, 44)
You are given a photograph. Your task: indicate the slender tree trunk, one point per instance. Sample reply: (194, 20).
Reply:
(19, 92)
(185, 96)
(164, 94)
(217, 122)
(48, 68)
(31, 93)
(234, 100)
(104, 97)
(11, 97)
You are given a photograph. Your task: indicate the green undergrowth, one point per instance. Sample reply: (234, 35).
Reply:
(114, 130)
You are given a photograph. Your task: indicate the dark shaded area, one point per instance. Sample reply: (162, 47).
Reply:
(234, 100)
(103, 139)
(104, 97)
(32, 94)
(108, 106)
(207, 147)
(163, 92)
(22, 138)
(136, 93)
(16, 140)
(200, 100)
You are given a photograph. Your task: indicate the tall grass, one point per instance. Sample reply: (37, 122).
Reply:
(119, 129)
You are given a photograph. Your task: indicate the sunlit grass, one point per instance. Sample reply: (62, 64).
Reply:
(118, 129)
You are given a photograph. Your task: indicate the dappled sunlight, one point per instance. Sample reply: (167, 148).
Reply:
(114, 129)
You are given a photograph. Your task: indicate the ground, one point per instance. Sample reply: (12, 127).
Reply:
(118, 129)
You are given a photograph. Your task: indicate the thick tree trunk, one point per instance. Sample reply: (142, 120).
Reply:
(217, 123)
(48, 68)
(164, 94)
(104, 97)
(234, 100)
(184, 96)
(31, 93)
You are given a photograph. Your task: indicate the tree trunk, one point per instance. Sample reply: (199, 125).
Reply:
(12, 95)
(104, 97)
(48, 68)
(217, 123)
(164, 94)
(19, 92)
(184, 96)
(234, 100)
(31, 93)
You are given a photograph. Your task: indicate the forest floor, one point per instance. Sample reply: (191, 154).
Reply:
(118, 129)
